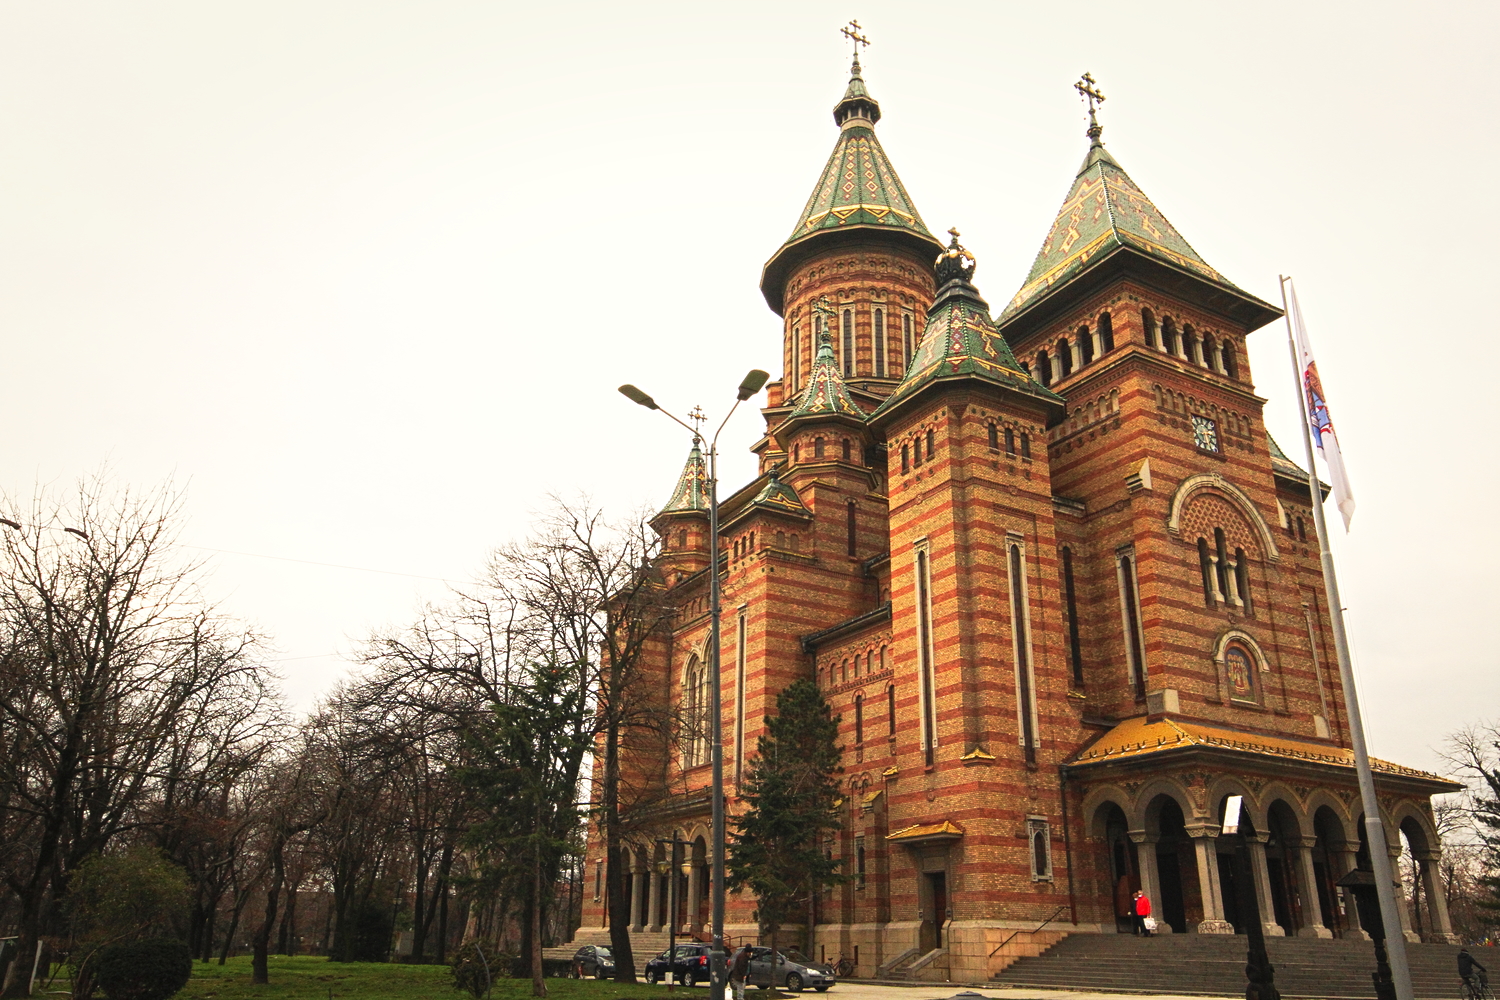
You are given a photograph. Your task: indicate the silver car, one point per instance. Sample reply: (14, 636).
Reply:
(793, 971)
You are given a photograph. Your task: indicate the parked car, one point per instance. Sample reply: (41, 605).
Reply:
(690, 965)
(793, 971)
(593, 960)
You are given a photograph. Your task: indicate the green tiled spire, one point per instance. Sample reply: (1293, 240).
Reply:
(691, 494)
(858, 190)
(960, 339)
(1104, 211)
(825, 393)
(779, 496)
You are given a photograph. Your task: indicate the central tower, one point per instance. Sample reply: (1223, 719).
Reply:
(860, 244)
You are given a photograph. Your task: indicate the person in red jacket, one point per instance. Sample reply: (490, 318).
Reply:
(1142, 911)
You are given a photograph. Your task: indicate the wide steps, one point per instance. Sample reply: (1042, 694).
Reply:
(1214, 965)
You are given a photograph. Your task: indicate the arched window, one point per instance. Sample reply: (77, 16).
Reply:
(859, 718)
(1064, 359)
(848, 342)
(1106, 332)
(916, 450)
(848, 449)
(1135, 650)
(880, 343)
(1301, 530)
(905, 458)
(1085, 346)
(844, 670)
(1019, 601)
(1041, 855)
(1209, 357)
(1231, 366)
(694, 713)
(994, 438)
(850, 527)
(1070, 603)
(1043, 368)
(1221, 563)
(1148, 323)
(906, 327)
(1169, 341)
(890, 709)
(1239, 670)
(930, 449)
(817, 447)
(1025, 446)
(682, 539)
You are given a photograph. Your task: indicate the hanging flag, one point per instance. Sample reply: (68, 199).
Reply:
(1319, 422)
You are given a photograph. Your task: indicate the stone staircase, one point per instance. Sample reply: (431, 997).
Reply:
(1214, 965)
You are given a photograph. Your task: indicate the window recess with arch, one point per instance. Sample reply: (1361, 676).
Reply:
(1224, 570)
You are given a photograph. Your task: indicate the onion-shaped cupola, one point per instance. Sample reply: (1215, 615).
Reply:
(858, 199)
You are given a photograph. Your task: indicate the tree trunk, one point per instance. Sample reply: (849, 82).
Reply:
(240, 899)
(538, 984)
(442, 942)
(259, 971)
(616, 870)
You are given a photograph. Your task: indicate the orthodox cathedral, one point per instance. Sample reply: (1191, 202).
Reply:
(1053, 575)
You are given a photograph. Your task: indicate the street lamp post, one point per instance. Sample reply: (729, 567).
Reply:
(673, 870)
(752, 383)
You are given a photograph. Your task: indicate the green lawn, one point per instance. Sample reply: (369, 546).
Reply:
(311, 978)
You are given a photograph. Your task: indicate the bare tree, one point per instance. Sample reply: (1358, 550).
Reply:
(106, 653)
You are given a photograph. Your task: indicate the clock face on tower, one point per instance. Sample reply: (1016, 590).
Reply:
(1205, 433)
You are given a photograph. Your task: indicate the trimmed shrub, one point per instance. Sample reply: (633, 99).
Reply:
(143, 970)
(474, 971)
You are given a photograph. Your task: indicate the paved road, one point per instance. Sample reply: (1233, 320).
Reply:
(854, 990)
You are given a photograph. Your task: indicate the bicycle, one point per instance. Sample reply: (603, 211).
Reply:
(843, 968)
(1477, 987)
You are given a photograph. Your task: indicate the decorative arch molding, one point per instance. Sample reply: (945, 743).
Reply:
(1408, 810)
(1321, 798)
(1278, 791)
(1221, 667)
(1212, 480)
(1172, 788)
(1098, 797)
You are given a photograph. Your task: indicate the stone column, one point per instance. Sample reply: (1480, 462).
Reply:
(1403, 901)
(1075, 351)
(1098, 343)
(1208, 881)
(1342, 857)
(694, 896)
(1218, 363)
(1261, 876)
(653, 919)
(1441, 928)
(1198, 357)
(1145, 855)
(1307, 888)
(637, 899)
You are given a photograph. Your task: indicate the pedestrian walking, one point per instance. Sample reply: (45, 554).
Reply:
(739, 968)
(1142, 914)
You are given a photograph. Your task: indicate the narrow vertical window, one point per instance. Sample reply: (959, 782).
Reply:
(930, 449)
(1085, 346)
(859, 718)
(905, 458)
(1135, 653)
(880, 343)
(924, 661)
(1148, 324)
(598, 880)
(848, 449)
(850, 534)
(1021, 643)
(1026, 446)
(1221, 563)
(1043, 368)
(1206, 568)
(1230, 365)
(848, 342)
(1242, 574)
(1070, 599)
(1041, 849)
(817, 447)
(1010, 442)
(1106, 332)
(739, 696)
(890, 710)
(1064, 358)
(859, 862)
(994, 438)
(906, 326)
(916, 450)
(796, 358)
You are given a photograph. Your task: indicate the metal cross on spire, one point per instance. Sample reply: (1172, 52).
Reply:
(697, 416)
(1088, 89)
(851, 32)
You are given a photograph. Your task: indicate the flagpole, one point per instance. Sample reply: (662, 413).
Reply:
(1380, 859)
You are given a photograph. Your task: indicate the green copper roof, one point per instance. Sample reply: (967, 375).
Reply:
(858, 186)
(692, 486)
(1105, 210)
(960, 339)
(825, 393)
(779, 496)
(1283, 465)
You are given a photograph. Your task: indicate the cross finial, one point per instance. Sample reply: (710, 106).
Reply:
(1088, 89)
(697, 416)
(851, 32)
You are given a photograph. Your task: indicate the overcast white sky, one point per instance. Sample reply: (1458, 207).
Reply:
(365, 275)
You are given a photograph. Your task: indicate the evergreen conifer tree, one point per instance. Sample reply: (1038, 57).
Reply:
(791, 788)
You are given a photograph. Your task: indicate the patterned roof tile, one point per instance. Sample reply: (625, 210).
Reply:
(691, 494)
